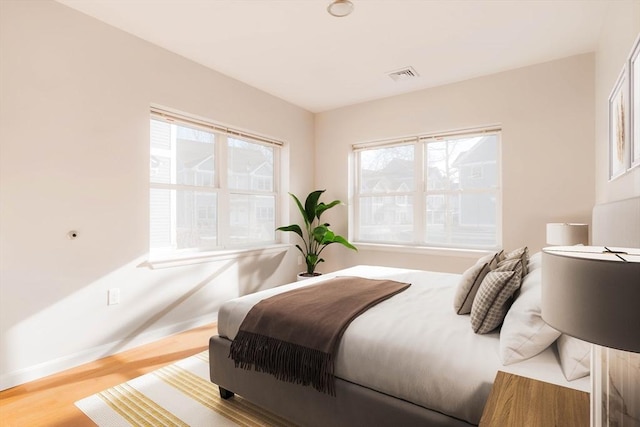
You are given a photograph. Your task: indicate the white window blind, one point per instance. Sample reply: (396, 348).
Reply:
(440, 190)
(211, 187)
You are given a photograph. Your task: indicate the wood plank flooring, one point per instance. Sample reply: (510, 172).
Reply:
(49, 401)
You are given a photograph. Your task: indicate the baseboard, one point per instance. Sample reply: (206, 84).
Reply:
(25, 375)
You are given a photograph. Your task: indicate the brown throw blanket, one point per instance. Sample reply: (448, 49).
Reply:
(294, 335)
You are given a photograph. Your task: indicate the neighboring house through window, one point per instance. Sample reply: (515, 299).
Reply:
(431, 190)
(211, 187)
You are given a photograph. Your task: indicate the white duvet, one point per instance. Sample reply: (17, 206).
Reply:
(414, 346)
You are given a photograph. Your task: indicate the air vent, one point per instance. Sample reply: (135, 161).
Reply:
(402, 74)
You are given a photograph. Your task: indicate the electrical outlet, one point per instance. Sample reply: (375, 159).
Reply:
(113, 296)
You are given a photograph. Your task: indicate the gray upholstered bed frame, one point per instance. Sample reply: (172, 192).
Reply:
(355, 405)
(352, 406)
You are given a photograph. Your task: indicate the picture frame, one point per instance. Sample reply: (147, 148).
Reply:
(634, 104)
(618, 126)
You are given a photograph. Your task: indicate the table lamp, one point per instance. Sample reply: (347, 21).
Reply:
(567, 234)
(593, 293)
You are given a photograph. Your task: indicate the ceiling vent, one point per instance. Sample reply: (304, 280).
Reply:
(403, 74)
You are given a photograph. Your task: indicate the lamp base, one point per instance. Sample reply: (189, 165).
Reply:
(616, 393)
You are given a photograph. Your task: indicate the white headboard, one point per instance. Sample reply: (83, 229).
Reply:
(617, 224)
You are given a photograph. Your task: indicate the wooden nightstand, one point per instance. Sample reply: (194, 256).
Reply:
(518, 401)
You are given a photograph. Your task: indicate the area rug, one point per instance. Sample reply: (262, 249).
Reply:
(175, 395)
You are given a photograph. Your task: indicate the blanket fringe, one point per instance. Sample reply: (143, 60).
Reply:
(286, 361)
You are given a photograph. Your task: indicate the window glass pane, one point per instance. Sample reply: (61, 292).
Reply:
(467, 220)
(160, 202)
(386, 219)
(462, 163)
(252, 219)
(160, 152)
(195, 163)
(250, 166)
(182, 219)
(438, 166)
(385, 170)
(477, 162)
(181, 155)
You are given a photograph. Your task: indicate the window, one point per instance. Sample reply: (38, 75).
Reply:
(435, 190)
(211, 188)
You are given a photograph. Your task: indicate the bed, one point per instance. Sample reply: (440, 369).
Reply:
(410, 360)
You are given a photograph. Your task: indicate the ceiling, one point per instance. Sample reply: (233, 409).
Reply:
(295, 50)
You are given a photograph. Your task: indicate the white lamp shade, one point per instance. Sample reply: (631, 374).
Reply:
(567, 234)
(593, 294)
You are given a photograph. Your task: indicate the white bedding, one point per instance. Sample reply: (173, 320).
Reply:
(414, 346)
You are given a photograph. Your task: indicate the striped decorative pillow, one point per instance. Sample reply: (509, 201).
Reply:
(511, 265)
(493, 299)
(492, 259)
(520, 253)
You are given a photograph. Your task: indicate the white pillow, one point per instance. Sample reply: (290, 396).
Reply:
(524, 334)
(575, 357)
(535, 261)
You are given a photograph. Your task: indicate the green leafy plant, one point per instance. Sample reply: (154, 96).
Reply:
(316, 235)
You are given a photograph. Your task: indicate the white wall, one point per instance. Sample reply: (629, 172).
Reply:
(547, 117)
(620, 29)
(74, 154)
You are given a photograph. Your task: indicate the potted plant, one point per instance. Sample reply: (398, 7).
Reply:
(316, 235)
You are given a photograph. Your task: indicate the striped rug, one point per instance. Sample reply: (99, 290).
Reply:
(176, 395)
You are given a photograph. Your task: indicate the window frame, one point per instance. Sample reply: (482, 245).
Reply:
(421, 191)
(220, 187)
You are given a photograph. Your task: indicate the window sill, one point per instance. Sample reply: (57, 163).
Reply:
(176, 260)
(424, 250)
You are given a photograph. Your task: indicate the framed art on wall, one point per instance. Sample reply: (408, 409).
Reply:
(634, 104)
(618, 120)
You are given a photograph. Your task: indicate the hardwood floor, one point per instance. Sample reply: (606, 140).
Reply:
(49, 401)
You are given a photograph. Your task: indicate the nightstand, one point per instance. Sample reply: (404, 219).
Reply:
(518, 401)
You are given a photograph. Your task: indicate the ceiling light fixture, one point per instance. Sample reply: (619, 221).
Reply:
(340, 8)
